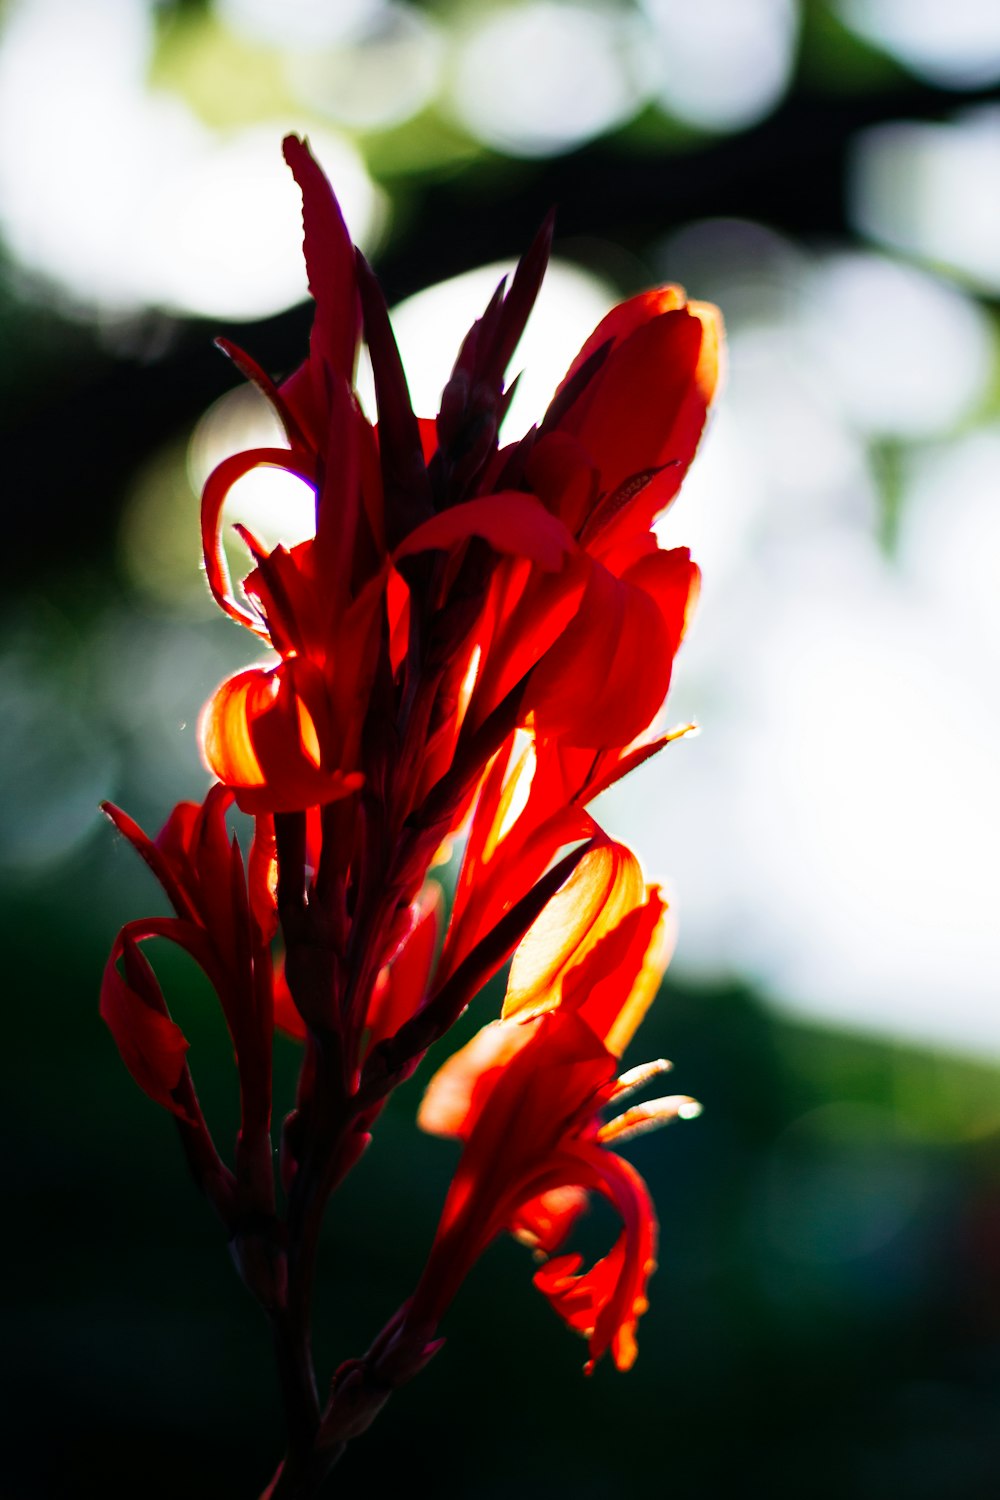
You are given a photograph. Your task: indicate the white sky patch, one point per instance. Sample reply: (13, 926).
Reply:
(950, 540)
(224, 237)
(833, 833)
(780, 459)
(759, 274)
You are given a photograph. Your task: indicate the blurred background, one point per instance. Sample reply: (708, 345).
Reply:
(827, 1316)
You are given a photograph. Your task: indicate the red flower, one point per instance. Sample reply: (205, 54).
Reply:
(609, 455)
(525, 1097)
(567, 579)
(475, 636)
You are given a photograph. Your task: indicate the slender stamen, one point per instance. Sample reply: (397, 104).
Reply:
(649, 1116)
(637, 1078)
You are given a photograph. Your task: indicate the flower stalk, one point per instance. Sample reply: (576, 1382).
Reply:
(474, 643)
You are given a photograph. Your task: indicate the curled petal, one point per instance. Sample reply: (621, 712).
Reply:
(156, 857)
(251, 370)
(545, 1222)
(259, 737)
(524, 1097)
(152, 1046)
(605, 1302)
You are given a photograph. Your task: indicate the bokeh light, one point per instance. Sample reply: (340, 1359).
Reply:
(922, 188)
(55, 763)
(722, 64)
(122, 198)
(956, 45)
(299, 23)
(385, 72)
(545, 76)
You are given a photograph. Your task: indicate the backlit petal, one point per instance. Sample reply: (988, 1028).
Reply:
(511, 521)
(606, 885)
(258, 736)
(152, 1046)
(217, 487)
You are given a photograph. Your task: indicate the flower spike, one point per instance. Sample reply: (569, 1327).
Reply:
(475, 641)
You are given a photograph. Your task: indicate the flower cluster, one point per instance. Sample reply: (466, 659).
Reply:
(475, 641)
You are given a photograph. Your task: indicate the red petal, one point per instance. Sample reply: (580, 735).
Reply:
(259, 739)
(408, 969)
(446, 1108)
(531, 610)
(645, 408)
(329, 256)
(606, 1302)
(606, 885)
(286, 1013)
(511, 521)
(625, 319)
(251, 370)
(152, 1046)
(603, 680)
(544, 1222)
(262, 876)
(616, 981)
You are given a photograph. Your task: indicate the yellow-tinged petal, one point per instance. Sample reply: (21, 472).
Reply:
(514, 797)
(607, 883)
(711, 366)
(658, 922)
